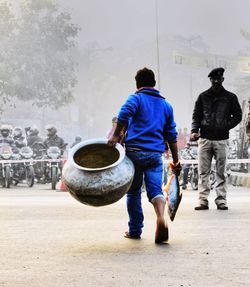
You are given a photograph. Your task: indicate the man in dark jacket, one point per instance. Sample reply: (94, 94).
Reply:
(6, 140)
(216, 111)
(5, 137)
(149, 121)
(33, 137)
(53, 139)
(19, 139)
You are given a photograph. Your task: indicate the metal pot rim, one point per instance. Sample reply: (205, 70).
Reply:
(75, 148)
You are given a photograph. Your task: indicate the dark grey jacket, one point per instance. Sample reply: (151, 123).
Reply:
(215, 114)
(55, 140)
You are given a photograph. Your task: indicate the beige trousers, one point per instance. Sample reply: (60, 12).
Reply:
(207, 150)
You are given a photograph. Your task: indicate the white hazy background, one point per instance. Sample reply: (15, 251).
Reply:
(119, 37)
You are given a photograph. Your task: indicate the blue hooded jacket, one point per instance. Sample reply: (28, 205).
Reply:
(150, 121)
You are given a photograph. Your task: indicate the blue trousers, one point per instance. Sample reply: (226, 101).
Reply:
(148, 167)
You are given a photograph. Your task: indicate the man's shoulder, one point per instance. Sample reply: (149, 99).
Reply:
(149, 92)
(168, 105)
(133, 97)
(205, 93)
(229, 94)
(59, 139)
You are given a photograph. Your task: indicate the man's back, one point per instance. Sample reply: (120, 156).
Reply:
(150, 120)
(31, 140)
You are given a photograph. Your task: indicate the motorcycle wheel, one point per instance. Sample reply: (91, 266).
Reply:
(194, 180)
(7, 177)
(30, 176)
(53, 177)
(3, 182)
(15, 182)
(39, 172)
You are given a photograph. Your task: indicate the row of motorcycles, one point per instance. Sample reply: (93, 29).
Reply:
(193, 175)
(30, 164)
(191, 153)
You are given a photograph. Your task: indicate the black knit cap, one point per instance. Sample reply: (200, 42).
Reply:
(217, 72)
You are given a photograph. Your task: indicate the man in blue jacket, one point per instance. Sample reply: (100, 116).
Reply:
(149, 121)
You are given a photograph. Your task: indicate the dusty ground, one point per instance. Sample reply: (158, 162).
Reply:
(49, 239)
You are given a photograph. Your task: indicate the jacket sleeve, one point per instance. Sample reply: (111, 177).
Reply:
(170, 133)
(62, 145)
(129, 109)
(236, 113)
(197, 116)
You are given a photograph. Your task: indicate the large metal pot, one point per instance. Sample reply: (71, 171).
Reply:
(97, 174)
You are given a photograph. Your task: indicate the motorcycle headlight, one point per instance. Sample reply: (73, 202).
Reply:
(54, 152)
(6, 152)
(6, 155)
(27, 155)
(53, 155)
(26, 152)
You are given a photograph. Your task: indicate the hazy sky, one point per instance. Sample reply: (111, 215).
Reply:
(106, 77)
(119, 22)
(129, 27)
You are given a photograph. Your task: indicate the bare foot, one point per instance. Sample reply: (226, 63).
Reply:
(161, 233)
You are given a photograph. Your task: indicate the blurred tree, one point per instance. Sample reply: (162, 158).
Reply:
(37, 43)
(7, 32)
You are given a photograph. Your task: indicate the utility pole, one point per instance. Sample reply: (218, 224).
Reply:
(157, 45)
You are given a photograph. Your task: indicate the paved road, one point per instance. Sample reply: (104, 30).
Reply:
(49, 239)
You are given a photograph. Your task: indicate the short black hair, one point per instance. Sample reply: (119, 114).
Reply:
(145, 78)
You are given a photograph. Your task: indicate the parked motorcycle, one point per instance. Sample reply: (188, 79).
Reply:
(24, 171)
(39, 155)
(6, 171)
(193, 177)
(53, 166)
(190, 171)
